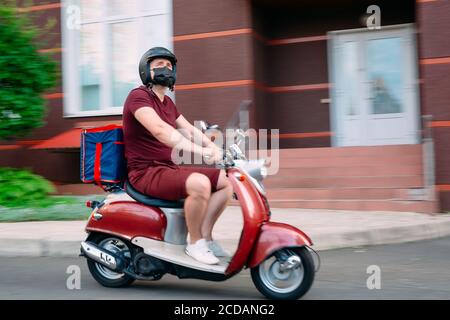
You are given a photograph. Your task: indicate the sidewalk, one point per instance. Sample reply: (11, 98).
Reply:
(329, 229)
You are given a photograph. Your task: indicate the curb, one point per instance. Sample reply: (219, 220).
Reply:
(39, 248)
(322, 241)
(382, 236)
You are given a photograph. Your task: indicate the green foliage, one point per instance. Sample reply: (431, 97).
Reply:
(62, 208)
(24, 76)
(25, 196)
(22, 188)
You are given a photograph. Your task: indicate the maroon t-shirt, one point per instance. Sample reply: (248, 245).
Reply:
(141, 147)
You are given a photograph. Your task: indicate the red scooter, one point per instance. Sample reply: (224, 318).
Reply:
(132, 236)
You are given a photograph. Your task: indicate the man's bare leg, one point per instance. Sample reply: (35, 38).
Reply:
(198, 188)
(216, 205)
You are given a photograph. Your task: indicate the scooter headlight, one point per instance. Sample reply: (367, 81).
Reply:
(255, 168)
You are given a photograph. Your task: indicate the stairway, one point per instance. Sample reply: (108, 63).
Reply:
(375, 178)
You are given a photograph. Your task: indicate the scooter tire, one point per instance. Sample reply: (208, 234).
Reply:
(306, 283)
(124, 281)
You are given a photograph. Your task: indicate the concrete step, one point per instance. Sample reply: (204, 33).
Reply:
(367, 151)
(343, 193)
(372, 161)
(365, 205)
(352, 171)
(344, 182)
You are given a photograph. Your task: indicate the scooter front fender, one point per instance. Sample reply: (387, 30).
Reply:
(274, 236)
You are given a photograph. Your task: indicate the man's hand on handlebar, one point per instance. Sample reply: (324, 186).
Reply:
(212, 154)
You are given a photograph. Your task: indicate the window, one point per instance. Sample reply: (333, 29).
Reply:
(103, 41)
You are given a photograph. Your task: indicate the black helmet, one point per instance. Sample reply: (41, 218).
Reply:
(153, 53)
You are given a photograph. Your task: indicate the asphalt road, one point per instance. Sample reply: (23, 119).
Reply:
(418, 270)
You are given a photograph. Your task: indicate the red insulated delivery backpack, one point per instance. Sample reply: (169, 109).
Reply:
(102, 158)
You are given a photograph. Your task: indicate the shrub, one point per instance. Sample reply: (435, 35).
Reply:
(22, 188)
(25, 75)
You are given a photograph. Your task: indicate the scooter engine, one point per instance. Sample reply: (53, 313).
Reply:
(149, 266)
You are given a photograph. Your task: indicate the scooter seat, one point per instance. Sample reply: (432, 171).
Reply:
(151, 201)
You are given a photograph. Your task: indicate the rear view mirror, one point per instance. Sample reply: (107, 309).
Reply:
(203, 126)
(206, 126)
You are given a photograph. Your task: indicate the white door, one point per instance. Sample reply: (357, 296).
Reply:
(374, 91)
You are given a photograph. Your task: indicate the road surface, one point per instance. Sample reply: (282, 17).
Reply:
(417, 270)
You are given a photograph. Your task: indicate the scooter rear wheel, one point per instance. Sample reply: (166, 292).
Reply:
(103, 275)
(278, 284)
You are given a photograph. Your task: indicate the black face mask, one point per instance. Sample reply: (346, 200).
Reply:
(164, 77)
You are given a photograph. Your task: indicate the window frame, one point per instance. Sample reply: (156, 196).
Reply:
(70, 38)
(411, 113)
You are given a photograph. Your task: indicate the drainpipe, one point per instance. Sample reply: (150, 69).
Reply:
(428, 159)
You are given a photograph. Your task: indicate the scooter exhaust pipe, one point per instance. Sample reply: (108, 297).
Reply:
(102, 256)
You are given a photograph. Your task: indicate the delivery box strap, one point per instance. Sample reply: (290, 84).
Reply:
(97, 164)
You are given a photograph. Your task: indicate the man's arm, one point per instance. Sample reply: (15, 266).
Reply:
(194, 132)
(164, 132)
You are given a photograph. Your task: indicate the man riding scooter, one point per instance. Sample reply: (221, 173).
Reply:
(139, 230)
(150, 124)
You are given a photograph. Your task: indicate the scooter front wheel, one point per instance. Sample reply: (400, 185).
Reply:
(102, 274)
(286, 275)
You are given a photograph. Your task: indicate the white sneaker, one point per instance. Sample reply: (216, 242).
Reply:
(218, 251)
(200, 252)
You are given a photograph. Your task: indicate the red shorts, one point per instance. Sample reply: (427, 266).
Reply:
(168, 181)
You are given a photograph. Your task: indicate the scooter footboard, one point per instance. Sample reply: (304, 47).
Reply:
(274, 236)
